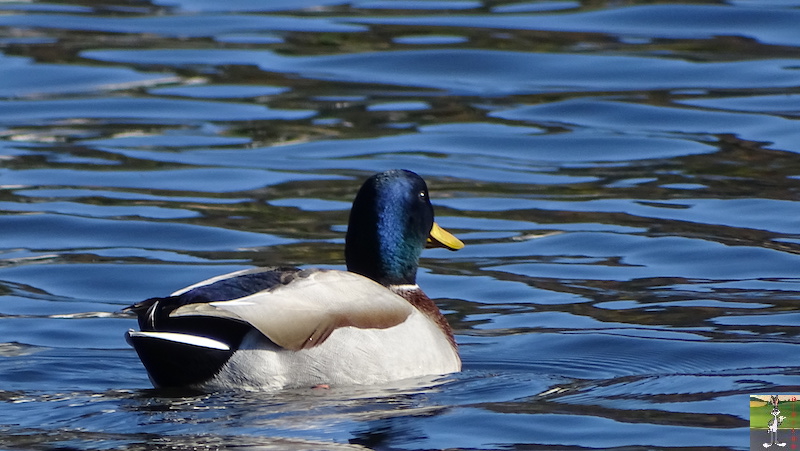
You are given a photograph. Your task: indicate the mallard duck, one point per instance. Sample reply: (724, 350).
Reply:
(272, 328)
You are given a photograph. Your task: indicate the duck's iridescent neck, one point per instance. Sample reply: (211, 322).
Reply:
(389, 225)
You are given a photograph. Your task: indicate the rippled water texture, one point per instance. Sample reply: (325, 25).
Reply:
(625, 175)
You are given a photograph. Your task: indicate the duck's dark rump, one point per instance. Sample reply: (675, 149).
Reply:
(173, 363)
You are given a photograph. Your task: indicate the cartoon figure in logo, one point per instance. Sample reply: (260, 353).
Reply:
(773, 424)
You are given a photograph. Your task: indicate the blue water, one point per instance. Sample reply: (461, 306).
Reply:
(626, 177)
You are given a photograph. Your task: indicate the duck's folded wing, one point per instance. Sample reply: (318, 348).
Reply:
(303, 313)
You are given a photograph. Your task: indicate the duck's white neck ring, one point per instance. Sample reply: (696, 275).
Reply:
(404, 287)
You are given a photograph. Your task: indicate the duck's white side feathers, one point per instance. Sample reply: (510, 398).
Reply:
(302, 313)
(350, 356)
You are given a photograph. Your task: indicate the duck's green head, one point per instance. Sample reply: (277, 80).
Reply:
(391, 222)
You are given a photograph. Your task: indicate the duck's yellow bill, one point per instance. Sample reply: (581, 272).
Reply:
(440, 237)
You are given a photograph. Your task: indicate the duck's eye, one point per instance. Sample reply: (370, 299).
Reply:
(423, 195)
